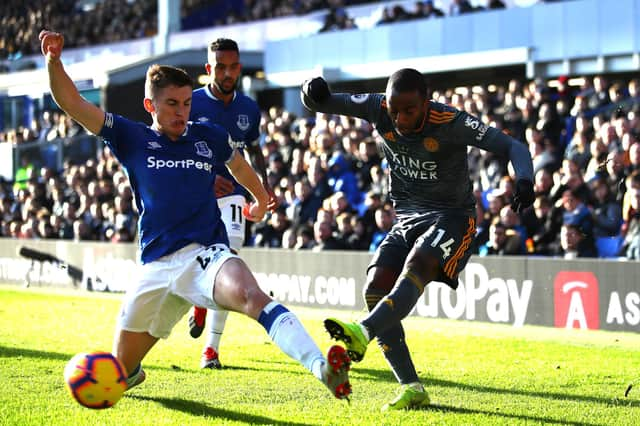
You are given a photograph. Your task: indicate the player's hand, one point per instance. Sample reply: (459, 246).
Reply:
(222, 186)
(51, 44)
(254, 211)
(317, 89)
(273, 203)
(523, 195)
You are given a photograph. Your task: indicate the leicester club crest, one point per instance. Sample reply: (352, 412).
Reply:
(243, 122)
(203, 150)
(431, 144)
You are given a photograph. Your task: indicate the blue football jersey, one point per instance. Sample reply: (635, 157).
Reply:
(172, 182)
(241, 118)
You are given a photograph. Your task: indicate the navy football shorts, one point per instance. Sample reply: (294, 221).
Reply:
(447, 235)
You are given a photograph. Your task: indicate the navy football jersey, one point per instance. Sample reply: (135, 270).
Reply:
(172, 182)
(429, 170)
(241, 118)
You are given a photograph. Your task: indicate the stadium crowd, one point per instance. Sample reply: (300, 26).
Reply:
(88, 23)
(331, 179)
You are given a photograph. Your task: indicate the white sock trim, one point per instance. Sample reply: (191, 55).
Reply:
(365, 332)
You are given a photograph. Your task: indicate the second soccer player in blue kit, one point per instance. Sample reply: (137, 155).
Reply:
(220, 103)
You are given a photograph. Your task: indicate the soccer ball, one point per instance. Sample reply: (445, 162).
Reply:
(96, 379)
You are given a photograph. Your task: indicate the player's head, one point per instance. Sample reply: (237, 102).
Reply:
(407, 100)
(224, 65)
(167, 93)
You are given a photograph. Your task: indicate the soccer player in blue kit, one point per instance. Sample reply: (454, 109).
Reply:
(184, 249)
(220, 103)
(425, 144)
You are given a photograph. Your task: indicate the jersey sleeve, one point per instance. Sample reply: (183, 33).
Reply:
(368, 106)
(115, 132)
(253, 134)
(221, 142)
(471, 131)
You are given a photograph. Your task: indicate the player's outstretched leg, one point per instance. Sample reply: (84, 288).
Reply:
(352, 334)
(335, 372)
(410, 397)
(196, 321)
(237, 289)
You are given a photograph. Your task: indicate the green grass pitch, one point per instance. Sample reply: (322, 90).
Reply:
(476, 373)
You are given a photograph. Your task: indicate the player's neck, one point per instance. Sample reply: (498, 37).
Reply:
(224, 97)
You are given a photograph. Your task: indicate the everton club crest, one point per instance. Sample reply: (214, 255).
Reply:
(203, 150)
(243, 122)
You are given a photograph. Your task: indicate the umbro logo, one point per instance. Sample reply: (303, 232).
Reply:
(153, 145)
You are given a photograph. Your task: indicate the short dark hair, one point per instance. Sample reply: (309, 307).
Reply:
(223, 44)
(162, 76)
(407, 80)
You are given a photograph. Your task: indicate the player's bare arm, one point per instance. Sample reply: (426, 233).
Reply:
(257, 159)
(63, 90)
(247, 177)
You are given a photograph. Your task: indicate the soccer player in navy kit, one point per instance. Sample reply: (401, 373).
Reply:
(184, 249)
(425, 144)
(220, 103)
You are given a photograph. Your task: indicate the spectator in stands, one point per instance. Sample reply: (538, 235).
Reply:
(304, 238)
(269, 234)
(502, 241)
(305, 205)
(359, 239)
(606, 212)
(573, 243)
(512, 222)
(345, 229)
(343, 179)
(324, 238)
(577, 214)
(384, 222)
(633, 101)
(634, 158)
(336, 20)
(289, 238)
(599, 96)
(460, 7)
(426, 9)
(82, 231)
(495, 4)
(543, 181)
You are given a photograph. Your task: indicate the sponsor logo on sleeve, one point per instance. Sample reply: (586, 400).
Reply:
(359, 98)
(576, 300)
(479, 127)
(108, 120)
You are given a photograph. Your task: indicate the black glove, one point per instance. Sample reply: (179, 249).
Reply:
(317, 89)
(523, 195)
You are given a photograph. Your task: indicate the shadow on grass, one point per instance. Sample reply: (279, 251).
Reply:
(200, 409)
(386, 376)
(11, 352)
(542, 420)
(15, 352)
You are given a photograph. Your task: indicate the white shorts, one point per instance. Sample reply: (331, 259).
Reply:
(170, 286)
(231, 212)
